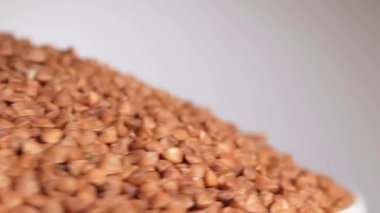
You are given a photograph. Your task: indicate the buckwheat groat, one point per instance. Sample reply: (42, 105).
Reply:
(76, 136)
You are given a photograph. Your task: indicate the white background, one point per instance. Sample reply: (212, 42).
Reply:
(307, 73)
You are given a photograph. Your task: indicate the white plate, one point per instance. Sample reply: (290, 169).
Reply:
(358, 206)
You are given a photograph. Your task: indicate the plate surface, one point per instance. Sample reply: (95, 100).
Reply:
(358, 206)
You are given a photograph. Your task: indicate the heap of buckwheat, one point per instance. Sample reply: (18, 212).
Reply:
(76, 136)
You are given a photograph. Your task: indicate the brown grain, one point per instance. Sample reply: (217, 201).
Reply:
(76, 136)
